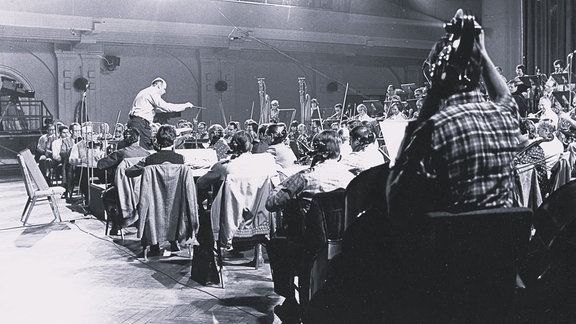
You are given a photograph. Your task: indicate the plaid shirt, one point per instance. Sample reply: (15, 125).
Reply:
(475, 142)
(326, 176)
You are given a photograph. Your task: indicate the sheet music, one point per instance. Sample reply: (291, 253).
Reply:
(393, 134)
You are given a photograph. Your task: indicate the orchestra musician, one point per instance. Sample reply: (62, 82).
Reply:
(337, 112)
(147, 102)
(363, 114)
(274, 111)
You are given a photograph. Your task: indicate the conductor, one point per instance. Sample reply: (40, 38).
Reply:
(147, 102)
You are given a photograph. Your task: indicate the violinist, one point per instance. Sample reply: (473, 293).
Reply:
(84, 157)
(363, 113)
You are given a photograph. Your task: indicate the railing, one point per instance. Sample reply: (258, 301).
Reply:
(23, 117)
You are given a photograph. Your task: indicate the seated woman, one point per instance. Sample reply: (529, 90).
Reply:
(532, 153)
(364, 153)
(276, 135)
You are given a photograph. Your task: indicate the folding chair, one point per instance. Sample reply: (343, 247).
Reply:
(37, 187)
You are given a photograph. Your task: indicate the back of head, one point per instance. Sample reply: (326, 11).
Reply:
(241, 142)
(326, 145)
(165, 136)
(131, 136)
(158, 80)
(277, 133)
(362, 134)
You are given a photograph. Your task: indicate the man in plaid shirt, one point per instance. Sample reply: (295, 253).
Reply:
(465, 150)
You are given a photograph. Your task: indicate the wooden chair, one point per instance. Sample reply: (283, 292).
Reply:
(37, 187)
(128, 196)
(239, 215)
(322, 239)
(168, 207)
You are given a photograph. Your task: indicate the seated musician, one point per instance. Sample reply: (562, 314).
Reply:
(443, 164)
(61, 148)
(365, 154)
(569, 119)
(276, 135)
(243, 163)
(84, 156)
(202, 131)
(363, 113)
(337, 113)
(131, 148)
(395, 111)
(217, 141)
(552, 146)
(164, 146)
(532, 153)
(44, 151)
(325, 174)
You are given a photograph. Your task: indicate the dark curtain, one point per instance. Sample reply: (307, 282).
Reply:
(549, 33)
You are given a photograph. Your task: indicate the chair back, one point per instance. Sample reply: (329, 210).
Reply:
(128, 191)
(551, 262)
(27, 161)
(27, 179)
(322, 240)
(366, 190)
(553, 219)
(168, 207)
(560, 174)
(325, 221)
(475, 258)
(239, 208)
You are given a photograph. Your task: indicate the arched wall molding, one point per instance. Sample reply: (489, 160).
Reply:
(13, 73)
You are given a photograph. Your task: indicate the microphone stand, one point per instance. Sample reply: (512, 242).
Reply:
(84, 126)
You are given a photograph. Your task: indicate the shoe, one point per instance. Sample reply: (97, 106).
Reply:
(154, 250)
(174, 248)
(115, 230)
(287, 312)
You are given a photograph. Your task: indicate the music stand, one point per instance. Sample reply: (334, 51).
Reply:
(288, 110)
(374, 107)
(530, 80)
(562, 78)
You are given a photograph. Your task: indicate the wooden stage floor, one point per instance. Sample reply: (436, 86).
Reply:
(70, 272)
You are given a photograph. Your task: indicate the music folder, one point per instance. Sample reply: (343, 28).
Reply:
(563, 97)
(408, 87)
(562, 78)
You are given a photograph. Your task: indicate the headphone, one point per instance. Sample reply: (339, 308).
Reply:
(450, 70)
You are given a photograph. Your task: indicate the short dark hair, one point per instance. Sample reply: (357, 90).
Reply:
(132, 135)
(327, 144)
(363, 134)
(165, 136)
(241, 142)
(277, 131)
(62, 128)
(521, 67)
